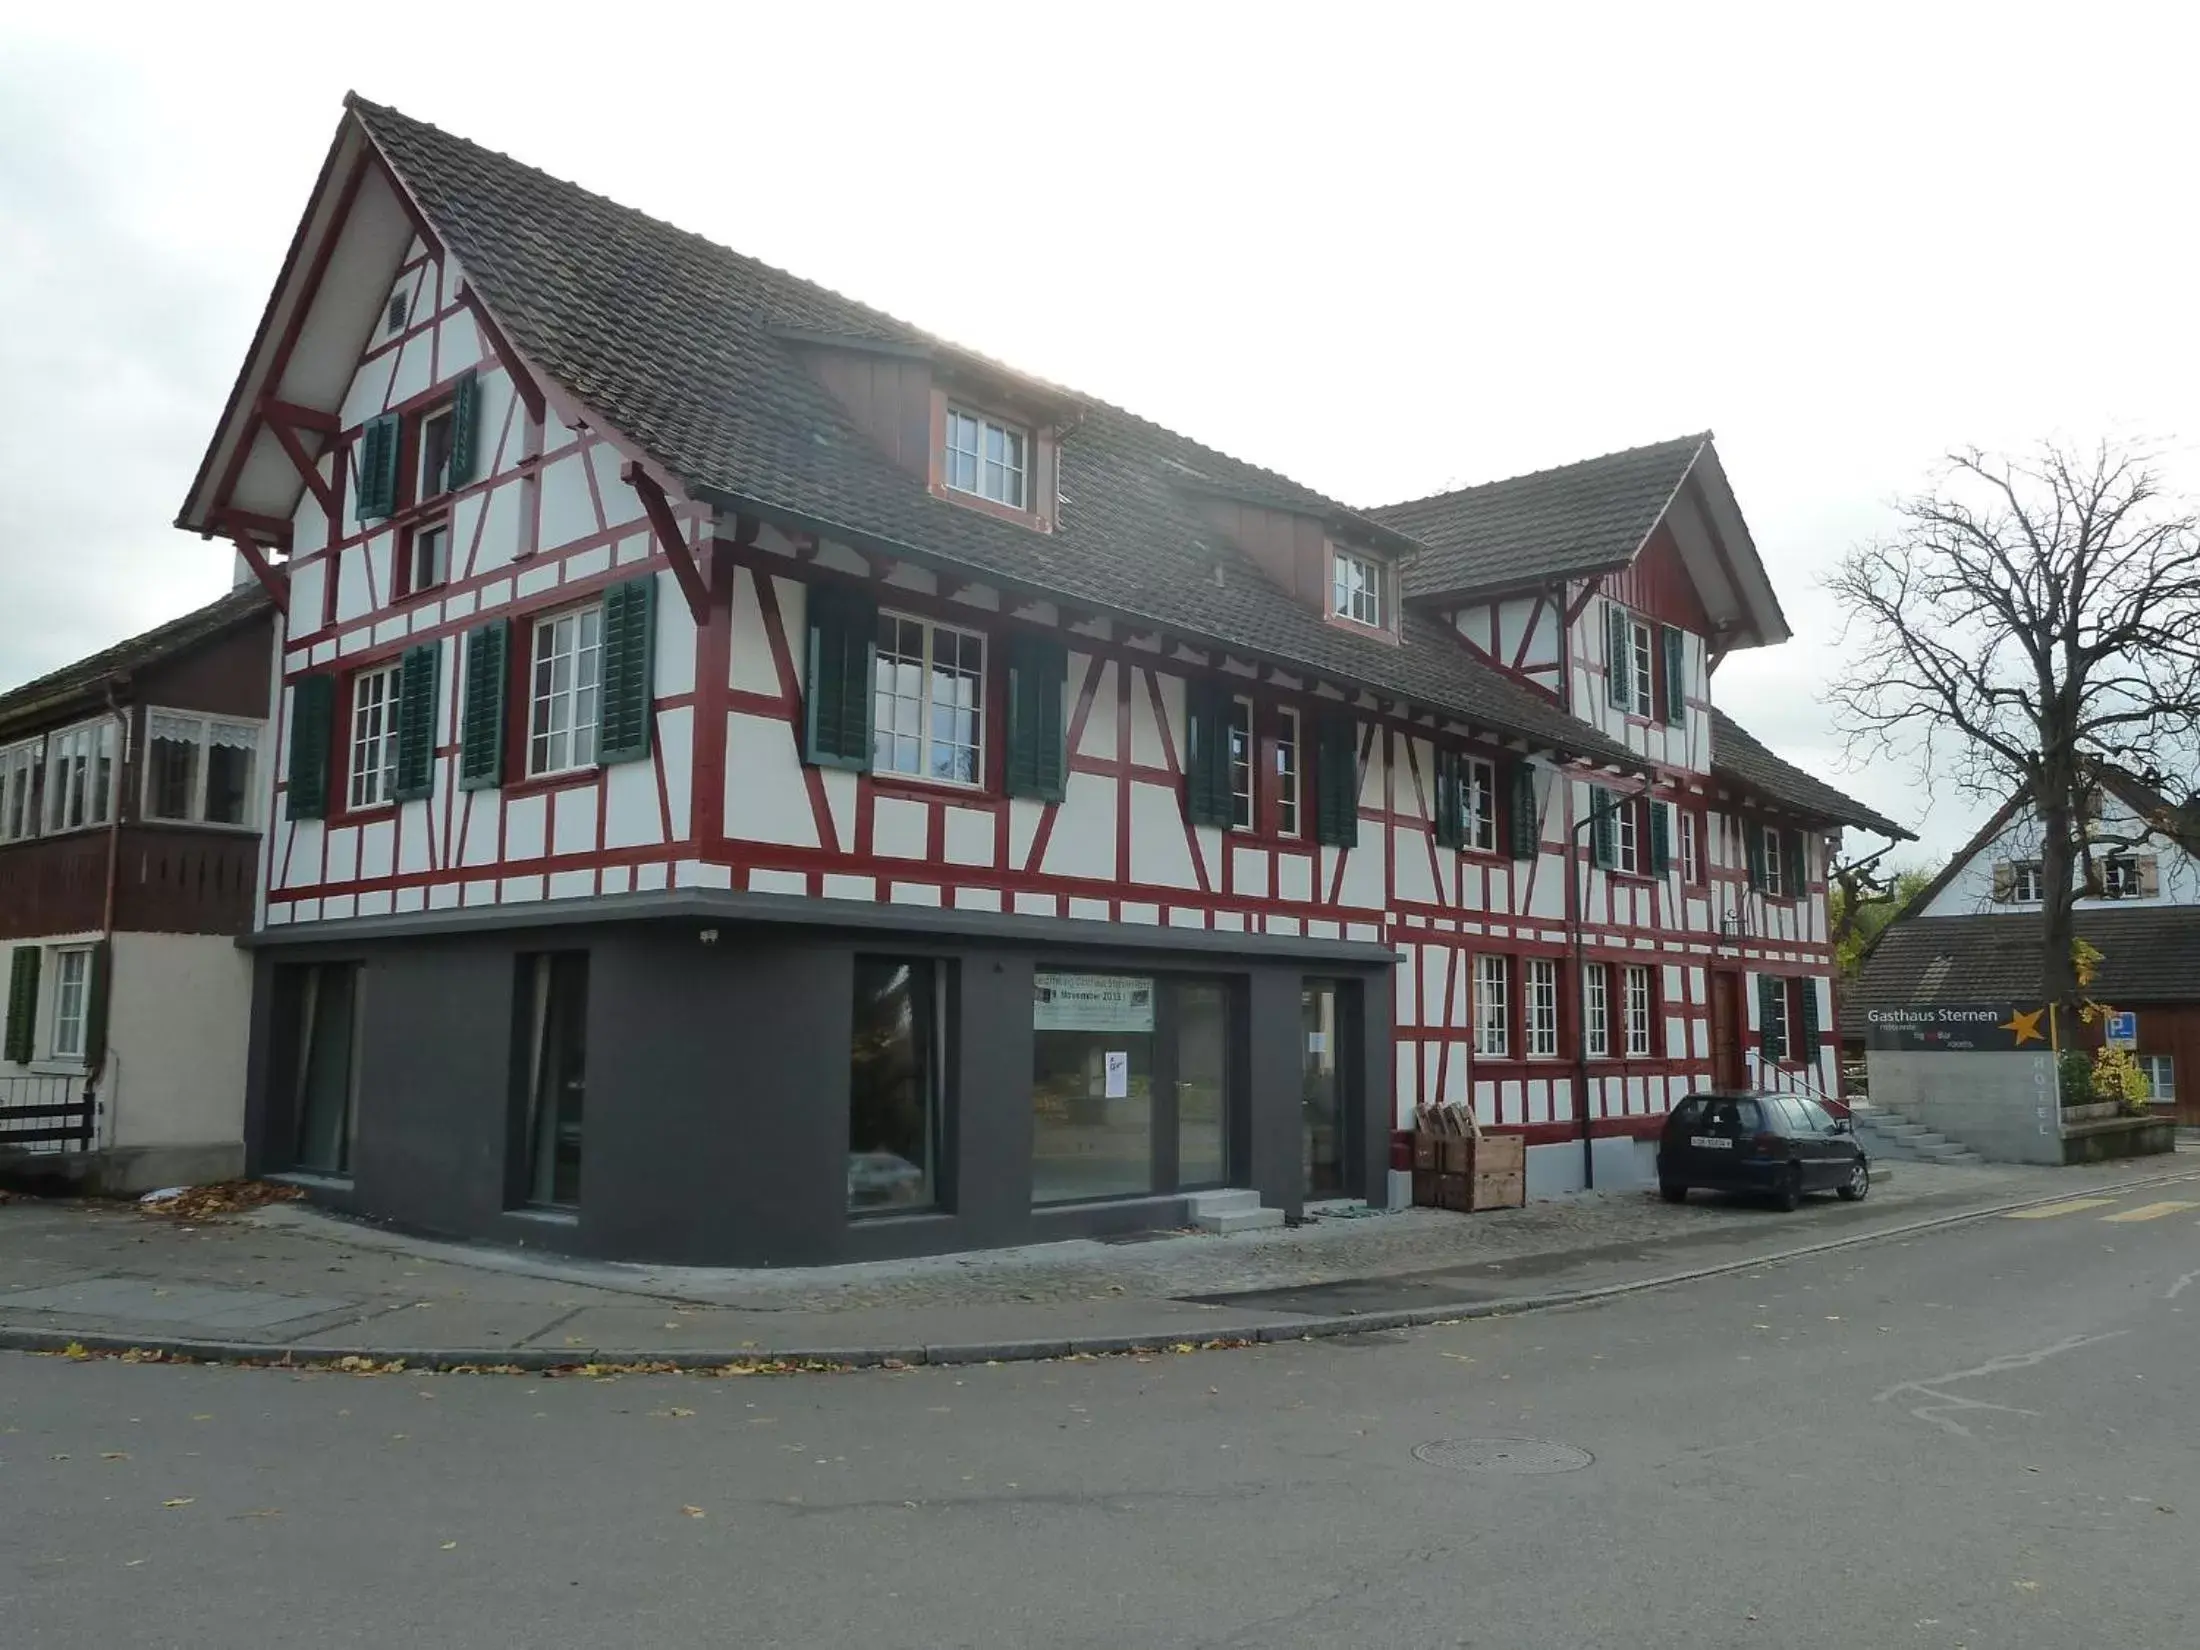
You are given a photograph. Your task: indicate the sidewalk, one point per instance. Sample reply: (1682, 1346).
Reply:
(286, 1282)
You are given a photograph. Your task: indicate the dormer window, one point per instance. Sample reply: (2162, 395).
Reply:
(1356, 589)
(987, 458)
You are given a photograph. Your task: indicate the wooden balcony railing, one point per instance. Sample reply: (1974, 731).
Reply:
(169, 879)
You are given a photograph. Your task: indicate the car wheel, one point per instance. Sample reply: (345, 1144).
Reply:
(1859, 1184)
(1790, 1194)
(1672, 1191)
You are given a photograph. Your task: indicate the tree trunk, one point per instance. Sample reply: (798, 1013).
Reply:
(2058, 971)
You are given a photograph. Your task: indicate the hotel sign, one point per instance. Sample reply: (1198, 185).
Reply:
(1960, 1028)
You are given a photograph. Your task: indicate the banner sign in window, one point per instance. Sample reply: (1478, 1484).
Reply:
(1091, 1002)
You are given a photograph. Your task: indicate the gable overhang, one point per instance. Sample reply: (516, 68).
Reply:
(285, 407)
(1705, 523)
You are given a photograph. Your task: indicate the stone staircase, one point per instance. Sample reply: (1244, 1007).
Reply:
(1231, 1211)
(1888, 1135)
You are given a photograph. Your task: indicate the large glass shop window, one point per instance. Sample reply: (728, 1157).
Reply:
(1092, 1086)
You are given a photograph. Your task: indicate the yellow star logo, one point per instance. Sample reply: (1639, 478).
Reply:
(2026, 1026)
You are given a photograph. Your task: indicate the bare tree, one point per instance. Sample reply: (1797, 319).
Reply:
(2029, 619)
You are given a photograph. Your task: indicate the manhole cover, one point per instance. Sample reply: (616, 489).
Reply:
(1525, 1456)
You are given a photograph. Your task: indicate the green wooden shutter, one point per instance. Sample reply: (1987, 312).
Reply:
(378, 444)
(1672, 645)
(1807, 990)
(465, 430)
(312, 725)
(836, 679)
(1206, 753)
(1450, 820)
(1525, 835)
(1661, 838)
(629, 646)
(1769, 1042)
(1794, 874)
(1604, 848)
(1619, 663)
(97, 990)
(1753, 850)
(1337, 782)
(481, 739)
(1038, 758)
(416, 697)
(22, 1004)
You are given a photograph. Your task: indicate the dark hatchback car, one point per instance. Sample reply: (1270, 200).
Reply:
(1779, 1146)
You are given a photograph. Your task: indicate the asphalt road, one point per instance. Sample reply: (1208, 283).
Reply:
(1988, 1436)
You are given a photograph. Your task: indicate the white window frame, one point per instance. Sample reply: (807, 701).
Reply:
(437, 571)
(1290, 767)
(564, 720)
(1003, 479)
(370, 739)
(93, 740)
(1642, 654)
(1542, 1022)
(423, 491)
(169, 725)
(1478, 804)
(927, 677)
(1627, 835)
(1641, 1009)
(1596, 985)
(1243, 759)
(2154, 1065)
(19, 799)
(72, 1000)
(1775, 872)
(1356, 588)
(2027, 882)
(1784, 997)
(1691, 853)
(1493, 1005)
(2121, 869)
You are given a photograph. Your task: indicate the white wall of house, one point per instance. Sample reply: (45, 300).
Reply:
(1977, 890)
(177, 1023)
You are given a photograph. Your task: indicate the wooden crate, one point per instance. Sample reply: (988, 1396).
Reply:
(1455, 1191)
(1498, 1189)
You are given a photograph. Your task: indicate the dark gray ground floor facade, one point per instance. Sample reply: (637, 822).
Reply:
(725, 1080)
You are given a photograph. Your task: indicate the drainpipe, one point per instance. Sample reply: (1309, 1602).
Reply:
(117, 789)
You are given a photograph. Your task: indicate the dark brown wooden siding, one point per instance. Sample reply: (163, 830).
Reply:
(2164, 1028)
(1656, 585)
(169, 879)
(888, 397)
(1290, 549)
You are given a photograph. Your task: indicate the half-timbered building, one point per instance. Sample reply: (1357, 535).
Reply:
(759, 783)
(132, 790)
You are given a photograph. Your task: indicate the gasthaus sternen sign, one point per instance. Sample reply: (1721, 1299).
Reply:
(1960, 1028)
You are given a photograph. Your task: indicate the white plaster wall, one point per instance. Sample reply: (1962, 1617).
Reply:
(177, 1019)
(1970, 892)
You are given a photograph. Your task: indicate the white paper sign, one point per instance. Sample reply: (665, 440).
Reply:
(1317, 1042)
(1119, 1074)
(1091, 1002)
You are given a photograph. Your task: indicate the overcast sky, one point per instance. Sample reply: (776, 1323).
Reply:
(1385, 250)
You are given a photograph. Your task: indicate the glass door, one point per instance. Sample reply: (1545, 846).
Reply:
(1322, 1109)
(1202, 1085)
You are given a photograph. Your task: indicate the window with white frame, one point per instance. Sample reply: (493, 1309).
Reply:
(1478, 804)
(1642, 676)
(565, 697)
(987, 458)
(1596, 989)
(72, 990)
(2025, 884)
(436, 432)
(1691, 851)
(1356, 588)
(19, 790)
(1493, 1006)
(1773, 868)
(373, 746)
(1542, 1008)
(928, 701)
(2120, 877)
(1287, 772)
(1638, 1009)
(80, 775)
(2161, 1072)
(1627, 834)
(1241, 764)
(199, 768)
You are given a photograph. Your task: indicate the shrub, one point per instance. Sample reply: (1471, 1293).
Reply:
(2075, 1071)
(2116, 1076)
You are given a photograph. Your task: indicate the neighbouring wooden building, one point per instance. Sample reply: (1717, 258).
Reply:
(132, 790)
(1972, 935)
(761, 784)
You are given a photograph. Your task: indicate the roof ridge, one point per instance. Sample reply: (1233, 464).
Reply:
(1698, 437)
(914, 333)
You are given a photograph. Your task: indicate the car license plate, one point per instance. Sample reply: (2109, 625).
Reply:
(1711, 1142)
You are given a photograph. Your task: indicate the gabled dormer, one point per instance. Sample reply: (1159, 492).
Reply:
(975, 433)
(1350, 571)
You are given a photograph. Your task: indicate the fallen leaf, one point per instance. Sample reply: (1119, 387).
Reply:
(114, 1455)
(449, 1545)
(2028, 1586)
(693, 1512)
(179, 1501)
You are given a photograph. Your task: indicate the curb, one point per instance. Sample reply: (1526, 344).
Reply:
(793, 1360)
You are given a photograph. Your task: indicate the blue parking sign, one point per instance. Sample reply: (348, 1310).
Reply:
(2123, 1030)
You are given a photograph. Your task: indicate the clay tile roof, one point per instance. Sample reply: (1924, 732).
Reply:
(1580, 518)
(1737, 756)
(178, 635)
(2148, 955)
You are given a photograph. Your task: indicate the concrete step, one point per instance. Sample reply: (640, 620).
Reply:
(1223, 1201)
(1238, 1220)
